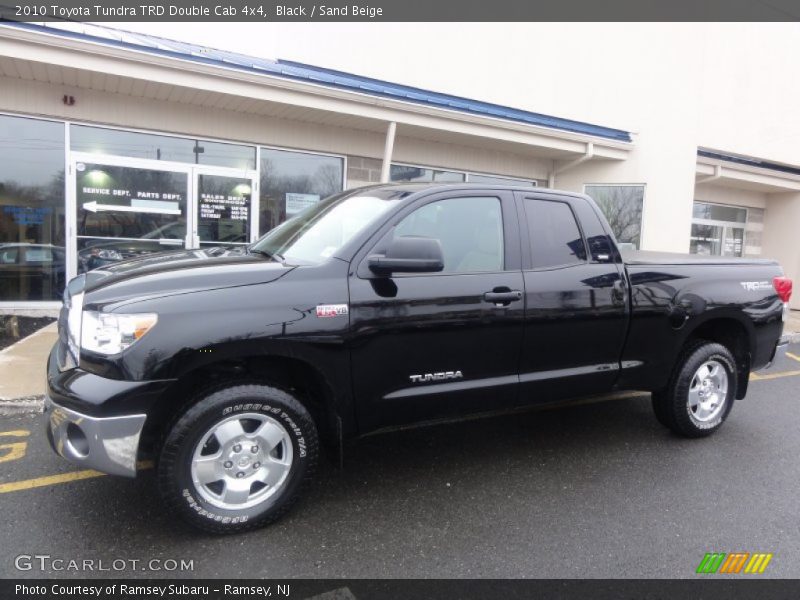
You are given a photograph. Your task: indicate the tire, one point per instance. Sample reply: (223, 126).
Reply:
(701, 391)
(237, 458)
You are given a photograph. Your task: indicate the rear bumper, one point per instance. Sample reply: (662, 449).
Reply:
(780, 349)
(108, 444)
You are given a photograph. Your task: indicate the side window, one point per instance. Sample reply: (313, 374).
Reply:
(555, 238)
(38, 255)
(469, 229)
(9, 256)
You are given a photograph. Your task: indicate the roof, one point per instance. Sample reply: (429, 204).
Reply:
(317, 75)
(750, 162)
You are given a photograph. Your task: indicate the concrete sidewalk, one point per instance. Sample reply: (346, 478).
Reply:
(22, 366)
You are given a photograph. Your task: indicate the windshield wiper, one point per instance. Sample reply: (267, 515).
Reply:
(268, 254)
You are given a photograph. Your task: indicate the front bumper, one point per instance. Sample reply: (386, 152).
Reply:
(94, 421)
(108, 444)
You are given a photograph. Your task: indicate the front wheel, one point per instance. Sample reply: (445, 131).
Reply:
(237, 458)
(701, 392)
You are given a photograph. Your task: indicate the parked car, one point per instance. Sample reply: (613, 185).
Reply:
(33, 271)
(387, 306)
(101, 252)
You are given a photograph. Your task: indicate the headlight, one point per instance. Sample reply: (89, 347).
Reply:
(74, 304)
(109, 333)
(106, 253)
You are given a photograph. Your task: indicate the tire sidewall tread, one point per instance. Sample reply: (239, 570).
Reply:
(213, 405)
(671, 404)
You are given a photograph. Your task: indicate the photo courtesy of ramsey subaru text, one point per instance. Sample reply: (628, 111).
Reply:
(233, 368)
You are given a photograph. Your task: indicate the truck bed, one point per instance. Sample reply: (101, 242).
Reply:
(641, 257)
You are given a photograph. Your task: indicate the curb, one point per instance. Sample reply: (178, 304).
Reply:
(22, 406)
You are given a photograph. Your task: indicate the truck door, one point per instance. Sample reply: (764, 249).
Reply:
(576, 311)
(429, 345)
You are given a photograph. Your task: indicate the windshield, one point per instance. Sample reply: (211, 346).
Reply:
(319, 231)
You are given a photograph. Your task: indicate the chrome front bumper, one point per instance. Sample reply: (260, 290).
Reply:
(106, 444)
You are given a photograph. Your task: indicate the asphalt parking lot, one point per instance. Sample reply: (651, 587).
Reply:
(596, 490)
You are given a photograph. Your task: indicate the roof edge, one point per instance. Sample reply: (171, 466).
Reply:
(748, 161)
(332, 79)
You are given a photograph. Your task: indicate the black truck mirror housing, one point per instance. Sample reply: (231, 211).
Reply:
(409, 254)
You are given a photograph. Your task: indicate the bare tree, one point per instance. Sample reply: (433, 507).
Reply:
(622, 206)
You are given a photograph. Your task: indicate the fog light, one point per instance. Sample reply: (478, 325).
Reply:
(77, 440)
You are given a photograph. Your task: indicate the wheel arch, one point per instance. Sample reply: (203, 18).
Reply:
(733, 331)
(297, 376)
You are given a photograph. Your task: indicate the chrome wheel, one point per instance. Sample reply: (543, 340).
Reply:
(708, 391)
(242, 460)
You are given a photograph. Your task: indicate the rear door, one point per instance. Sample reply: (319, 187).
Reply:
(438, 344)
(576, 301)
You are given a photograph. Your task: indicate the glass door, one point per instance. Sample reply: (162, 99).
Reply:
(120, 208)
(717, 229)
(124, 208)
(734, 241)
(226, 210)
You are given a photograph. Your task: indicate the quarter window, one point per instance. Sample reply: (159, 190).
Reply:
(555, 238)
(469, 229)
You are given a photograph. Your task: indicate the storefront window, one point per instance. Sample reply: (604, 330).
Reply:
(32, 264)
(717, 229)
(293, 181)
(622, 206)
(497, 180)
(115, 142)
(423, 175)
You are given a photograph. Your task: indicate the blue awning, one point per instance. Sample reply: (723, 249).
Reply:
(317, 75)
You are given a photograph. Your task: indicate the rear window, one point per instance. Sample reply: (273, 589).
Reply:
(556, 240)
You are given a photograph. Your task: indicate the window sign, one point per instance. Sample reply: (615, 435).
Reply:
(290, 179)
(297, 203)
(123, 212)
(223, 209)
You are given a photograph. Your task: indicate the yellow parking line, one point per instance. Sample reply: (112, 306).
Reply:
(27, 484)
(762, 377)
(794, 356)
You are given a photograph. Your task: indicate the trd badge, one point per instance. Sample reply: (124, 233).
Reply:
(332, 310)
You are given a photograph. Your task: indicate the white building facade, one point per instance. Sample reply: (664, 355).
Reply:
(115, 144)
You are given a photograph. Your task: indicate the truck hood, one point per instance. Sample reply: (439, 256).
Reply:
(181, 271)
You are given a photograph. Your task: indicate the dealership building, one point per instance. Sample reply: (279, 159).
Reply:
(116, 144)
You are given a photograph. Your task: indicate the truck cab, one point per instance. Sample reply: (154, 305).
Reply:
(380, 307)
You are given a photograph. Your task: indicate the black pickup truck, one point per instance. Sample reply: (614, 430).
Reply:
(380, 307)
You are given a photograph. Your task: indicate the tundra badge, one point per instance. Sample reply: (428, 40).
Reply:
(441, 376)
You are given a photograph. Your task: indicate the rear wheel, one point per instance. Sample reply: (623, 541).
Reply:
(237, 458)
(701, 392)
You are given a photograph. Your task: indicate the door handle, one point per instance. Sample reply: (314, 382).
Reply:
(502, 298)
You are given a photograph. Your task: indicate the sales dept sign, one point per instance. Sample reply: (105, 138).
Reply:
(297, 203)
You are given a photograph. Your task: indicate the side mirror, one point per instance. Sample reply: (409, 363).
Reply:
(409, 254)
